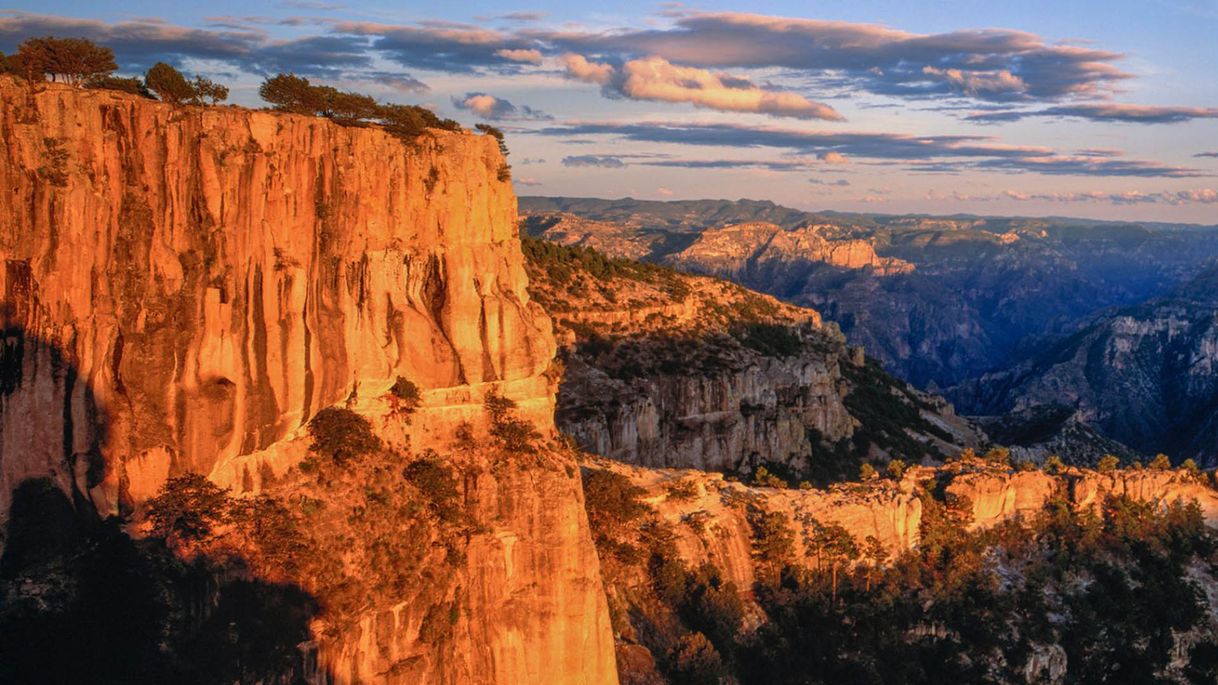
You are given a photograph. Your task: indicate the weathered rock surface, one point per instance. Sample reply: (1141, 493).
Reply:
(712, 524)
(743, 252)
(671, 370)
(185, 287)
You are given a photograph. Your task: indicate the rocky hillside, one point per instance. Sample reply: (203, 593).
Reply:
(186, 289)
(1146, 376)
(666, 369)
(937, 300)
(976, 570)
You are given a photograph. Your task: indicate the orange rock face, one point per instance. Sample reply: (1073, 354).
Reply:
(185, 286)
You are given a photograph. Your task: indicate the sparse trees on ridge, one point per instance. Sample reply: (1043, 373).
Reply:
(295, 94)
(171, 86)
(74, 61)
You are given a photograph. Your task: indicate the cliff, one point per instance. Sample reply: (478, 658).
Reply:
(1141, 375)
(709, 516)
(184, 288)
(744, 251)
(666, 369)
(215, 276)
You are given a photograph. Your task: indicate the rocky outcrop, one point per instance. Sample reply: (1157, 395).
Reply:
(666, 369)
(982, 295)
(185, 287)
(742, 251)
(709, 515)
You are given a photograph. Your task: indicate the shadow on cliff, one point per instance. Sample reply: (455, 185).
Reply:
(83, 601)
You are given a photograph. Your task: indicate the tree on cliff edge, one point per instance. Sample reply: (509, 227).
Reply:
(71, 60)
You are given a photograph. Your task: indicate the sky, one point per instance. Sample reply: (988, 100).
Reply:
(1104, 109)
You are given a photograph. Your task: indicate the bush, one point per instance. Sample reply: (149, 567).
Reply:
(342, 435)
(1161, 462)
(1054, 465)
(895, 469)
(434, 480)
(514, 434)
(694, 661)
(208, 91)
(406, 395)
(867, 472)
(1107, 464)
(187, 509)
(72, 60)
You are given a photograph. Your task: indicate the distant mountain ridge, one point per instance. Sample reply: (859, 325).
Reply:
(980, 295)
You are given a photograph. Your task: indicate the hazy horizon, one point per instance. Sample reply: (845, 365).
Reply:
(1097, 109)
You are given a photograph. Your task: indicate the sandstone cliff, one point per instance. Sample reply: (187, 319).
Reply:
(185, 287)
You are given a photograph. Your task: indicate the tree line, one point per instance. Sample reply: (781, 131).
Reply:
(82, 63)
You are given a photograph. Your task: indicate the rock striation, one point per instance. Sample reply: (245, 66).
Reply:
(185, 287)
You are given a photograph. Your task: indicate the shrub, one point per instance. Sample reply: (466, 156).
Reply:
(1107, 464)
(406, 395)
(434, 480)
(998, 456)
(72, 60)
(895, 469)
(1054, 465)
(763, 478)
(867, 472)
(683, 490)
(514, 434)
(187, 509)
(694, 661)
(1161, 462)
(342, 435)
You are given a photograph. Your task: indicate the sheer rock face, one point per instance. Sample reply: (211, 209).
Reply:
(184, 286)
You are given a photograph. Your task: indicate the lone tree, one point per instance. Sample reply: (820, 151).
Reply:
(208, 91)
(169, 84)
(70, 60)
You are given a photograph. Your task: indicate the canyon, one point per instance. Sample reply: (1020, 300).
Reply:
(188, 289)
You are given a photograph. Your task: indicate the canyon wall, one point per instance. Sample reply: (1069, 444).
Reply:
(184, 287)
(710, 516)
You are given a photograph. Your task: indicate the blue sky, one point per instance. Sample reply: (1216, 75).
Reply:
(1101, 109)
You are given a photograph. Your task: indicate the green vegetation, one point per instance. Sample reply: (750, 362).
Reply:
(562, 264)
(513, 433)
(74, 61)
(341, 435)
(1114, 590)
(171, 86)
(188, 509)
(886, 409)
(295, 94)
(405, 396)
(770, 339)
